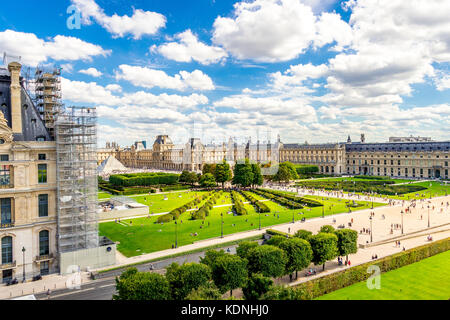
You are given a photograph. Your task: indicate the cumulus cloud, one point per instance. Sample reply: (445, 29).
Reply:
(277, 30)
(34, 50)
(149, 78)
(190, 49)
(91, 72)
(139, 24)
(93, 93)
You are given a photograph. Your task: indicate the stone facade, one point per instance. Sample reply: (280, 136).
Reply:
(27, 184)
(406, 158)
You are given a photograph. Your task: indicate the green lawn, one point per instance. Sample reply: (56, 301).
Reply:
(157, 204)
(428, 279)
(103, 195)
(143, 235)
(435, 190)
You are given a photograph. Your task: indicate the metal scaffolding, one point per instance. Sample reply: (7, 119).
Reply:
(48, 95)
(76, 143)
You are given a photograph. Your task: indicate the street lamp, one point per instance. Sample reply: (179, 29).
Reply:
(23, 251)
(371, 230)
(428, 216)
(401, 212)
(372, 201)
(323, 211)
(221, 227)
(176, 234)
(259, 215)
(293, 217)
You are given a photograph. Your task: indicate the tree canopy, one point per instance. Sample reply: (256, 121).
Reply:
(229, 272)
(298, 252)
(222, 172)
(268, 260)
(207, 180)
(187, 277)
(135, 285)
(324, 247)
(347, 241)
(243, 174)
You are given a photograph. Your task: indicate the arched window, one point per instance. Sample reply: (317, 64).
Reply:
(44, 243)
(7, 254)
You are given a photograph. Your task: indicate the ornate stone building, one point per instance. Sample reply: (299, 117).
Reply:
(27, 183)
(411, 157)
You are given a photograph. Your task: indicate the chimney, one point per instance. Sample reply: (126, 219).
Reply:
(16, 103)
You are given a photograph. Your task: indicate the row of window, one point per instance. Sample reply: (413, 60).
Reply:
(398, 162)
(6, 212)
(7, 253)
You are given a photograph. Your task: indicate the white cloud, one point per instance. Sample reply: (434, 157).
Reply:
(93, 93)
(297, 74)
(114, 87)
(189, 48)
(91, 72)
(60, 48)
(87, 92)
(139, 24)
(149, 78)
(276, 30)
(443, 83)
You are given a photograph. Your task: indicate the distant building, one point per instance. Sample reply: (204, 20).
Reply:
(421, 158)
(410, 139)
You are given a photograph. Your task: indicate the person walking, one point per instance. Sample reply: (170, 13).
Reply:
(48, 294)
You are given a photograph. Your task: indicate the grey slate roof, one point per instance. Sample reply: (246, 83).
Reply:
(32, 124)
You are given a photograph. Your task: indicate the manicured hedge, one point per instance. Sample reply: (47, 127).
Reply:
(175, 213)
(203, 212)
(301, 200)
(306, 169)
(273, 232)
(143, 179)
(281, 200)
(373, 177)
(238, 204)
(338, 280)
(263, 208)
(375, 186)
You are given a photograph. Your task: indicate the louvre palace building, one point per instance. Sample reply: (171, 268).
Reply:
(406, 157)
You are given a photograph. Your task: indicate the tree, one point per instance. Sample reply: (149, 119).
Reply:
(257, 176)
(303, 234)
(229, 272)
(209, 168)
(135, 285)
(192, 177)
(276, 240)
(223, 173)
(207, 291)
(283, 174)
(268, 260)
(324, 247)
(207, 180)
(187, 277)
(291, 169)
(257, 285)
(327, 229)
(347, 242)
(243, 174)
(184, 176)
(299, 254)
(244, 247)
(211, 256)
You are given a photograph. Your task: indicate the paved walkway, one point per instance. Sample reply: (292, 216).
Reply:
(414, 221)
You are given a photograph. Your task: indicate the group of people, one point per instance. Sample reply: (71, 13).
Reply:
(341, 262)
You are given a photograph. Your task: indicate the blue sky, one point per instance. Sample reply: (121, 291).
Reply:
(308, 70)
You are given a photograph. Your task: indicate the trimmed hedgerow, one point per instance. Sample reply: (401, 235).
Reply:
(301, 200)
(238, 204)
(262, 207)
(175, 213)
(281, 200)
(203, 212)
(143, 179)
(385, 187)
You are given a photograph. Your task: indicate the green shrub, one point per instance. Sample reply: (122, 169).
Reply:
(238, 204)
(261, 206)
